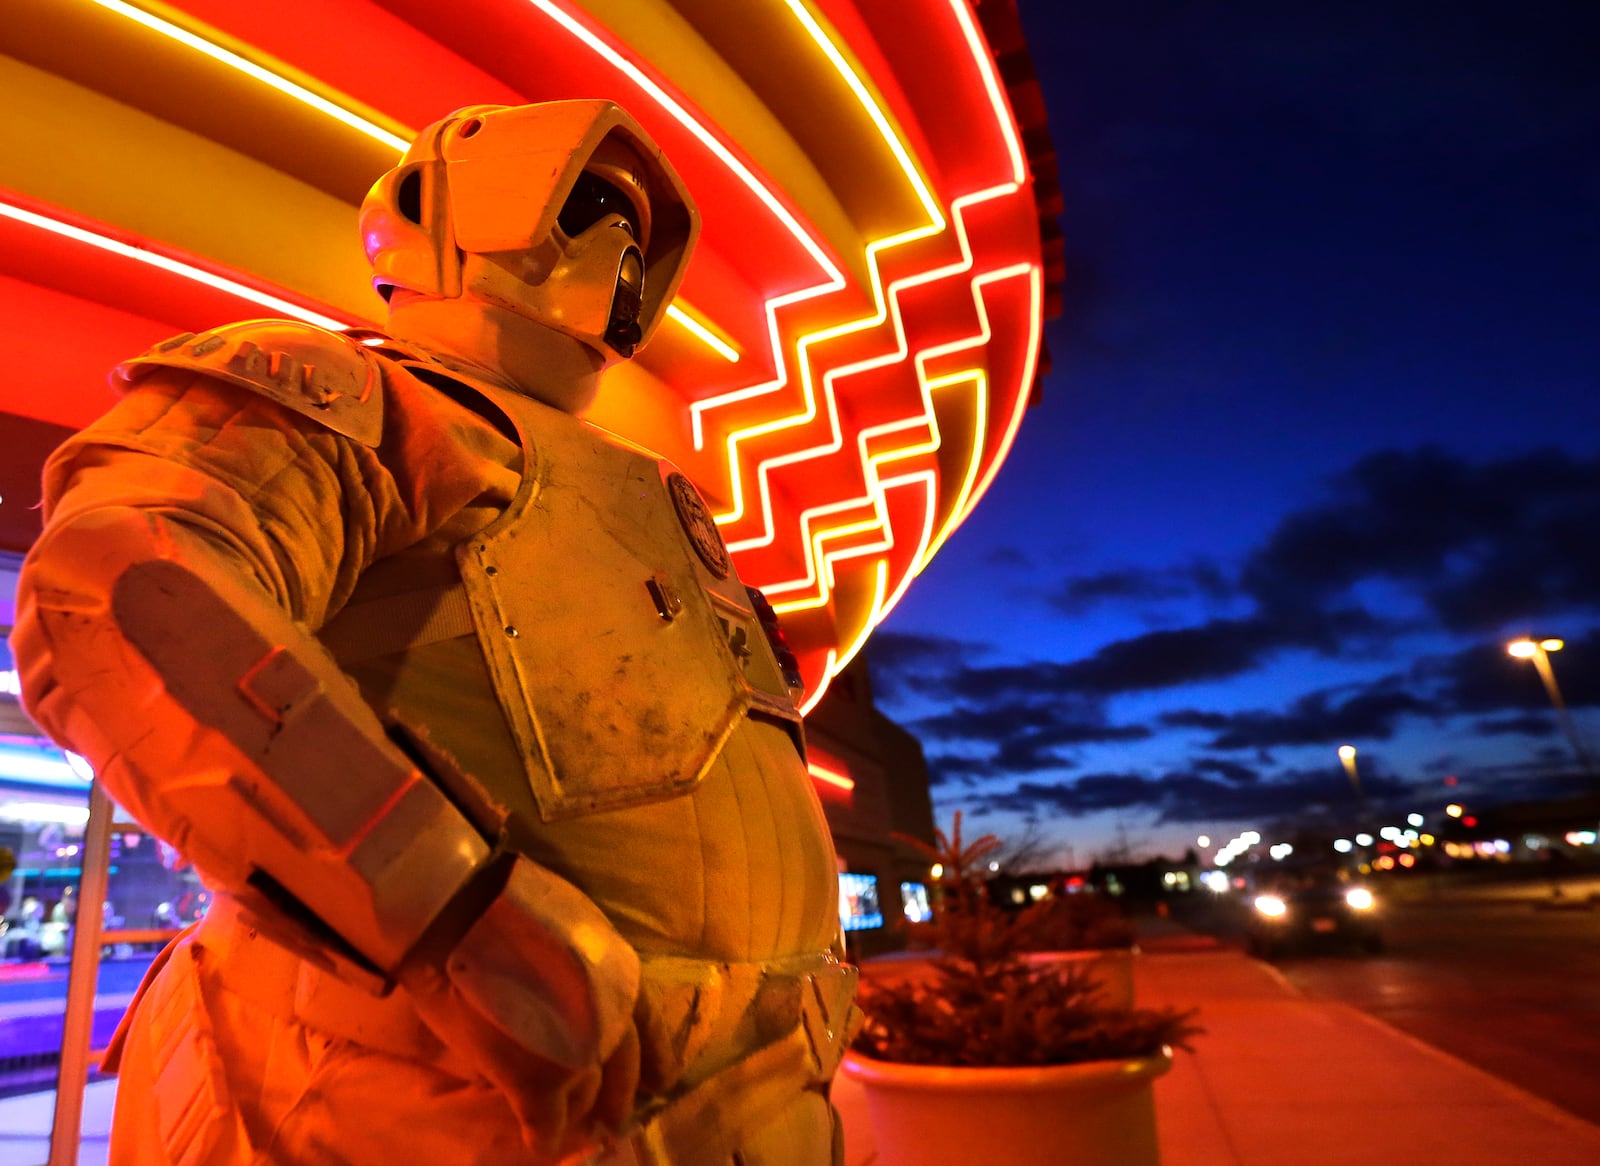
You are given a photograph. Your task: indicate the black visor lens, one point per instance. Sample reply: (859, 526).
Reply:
(592, 199)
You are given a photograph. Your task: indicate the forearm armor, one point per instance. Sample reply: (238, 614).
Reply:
(228, 729)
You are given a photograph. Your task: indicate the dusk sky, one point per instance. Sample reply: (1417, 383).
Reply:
(1322, 432)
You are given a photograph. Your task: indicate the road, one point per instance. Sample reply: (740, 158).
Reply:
(1509, 984)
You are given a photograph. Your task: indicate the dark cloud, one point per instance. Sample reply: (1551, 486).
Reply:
(1007, 557)
(1035, 721)
(1478, 545)
(1194, 719)
(1482, 545)
(1473, 550)
(1480, 681)
(903, 662)
(1321, 718)
(1215, 650)
(1523, 725)
(1014, 739)
(1187, 796)
(947, 769)
(1227, 770)
(1201, 580)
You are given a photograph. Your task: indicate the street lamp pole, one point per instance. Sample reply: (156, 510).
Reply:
(1539, 653)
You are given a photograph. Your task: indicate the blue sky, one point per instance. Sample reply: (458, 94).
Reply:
(1322, 431)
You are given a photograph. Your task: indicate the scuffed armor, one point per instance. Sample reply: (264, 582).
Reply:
(457, 701)
(674, 658)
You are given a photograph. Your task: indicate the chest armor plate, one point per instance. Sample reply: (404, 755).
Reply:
(623, 648)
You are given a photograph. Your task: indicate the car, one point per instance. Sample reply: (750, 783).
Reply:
(1307, 910)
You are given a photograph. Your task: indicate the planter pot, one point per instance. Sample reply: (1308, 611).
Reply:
(1112, 967)
(1097, 1114)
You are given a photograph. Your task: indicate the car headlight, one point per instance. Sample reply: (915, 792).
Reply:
(1271, 906)
(1359, 898)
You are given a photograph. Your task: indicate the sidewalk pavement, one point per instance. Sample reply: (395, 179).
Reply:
(1282, 1080)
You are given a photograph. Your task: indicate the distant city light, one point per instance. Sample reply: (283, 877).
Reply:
(1389, 832)
(937, 870)
(1249, 838)
(1428, 840)
(1455, 810)
(1363, 839)
(1414, 819)
(1203, 841)
(1215, 880)
(1581, 837)
(1281, 851)
(1343, 845)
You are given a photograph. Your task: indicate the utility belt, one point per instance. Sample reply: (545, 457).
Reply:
(722, 1044)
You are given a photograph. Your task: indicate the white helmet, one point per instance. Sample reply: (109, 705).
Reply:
(585, 227)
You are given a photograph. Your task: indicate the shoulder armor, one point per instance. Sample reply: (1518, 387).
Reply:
(324, 375)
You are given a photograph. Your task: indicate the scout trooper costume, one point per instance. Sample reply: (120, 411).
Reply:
(457, 700)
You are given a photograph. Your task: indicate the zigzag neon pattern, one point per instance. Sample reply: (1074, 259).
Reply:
(926, 417)
(825, 546)
(886, 307)
(969, 491)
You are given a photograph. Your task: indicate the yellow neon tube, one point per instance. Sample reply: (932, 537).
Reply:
(248, 67)
(176, 266)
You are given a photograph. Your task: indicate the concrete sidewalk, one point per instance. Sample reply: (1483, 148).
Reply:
(1281, 1080)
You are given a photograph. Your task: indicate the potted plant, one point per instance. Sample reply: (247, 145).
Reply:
(992, 1057)
(1086, 930)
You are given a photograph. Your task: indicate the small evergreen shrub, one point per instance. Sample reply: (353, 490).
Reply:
(985, 1006)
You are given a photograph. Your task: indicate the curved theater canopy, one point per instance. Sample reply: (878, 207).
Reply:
(848, 359)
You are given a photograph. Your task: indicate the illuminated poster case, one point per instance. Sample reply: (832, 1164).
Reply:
(859, 909)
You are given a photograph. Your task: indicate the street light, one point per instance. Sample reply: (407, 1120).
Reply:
(1539, 653)
(1347, 754)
